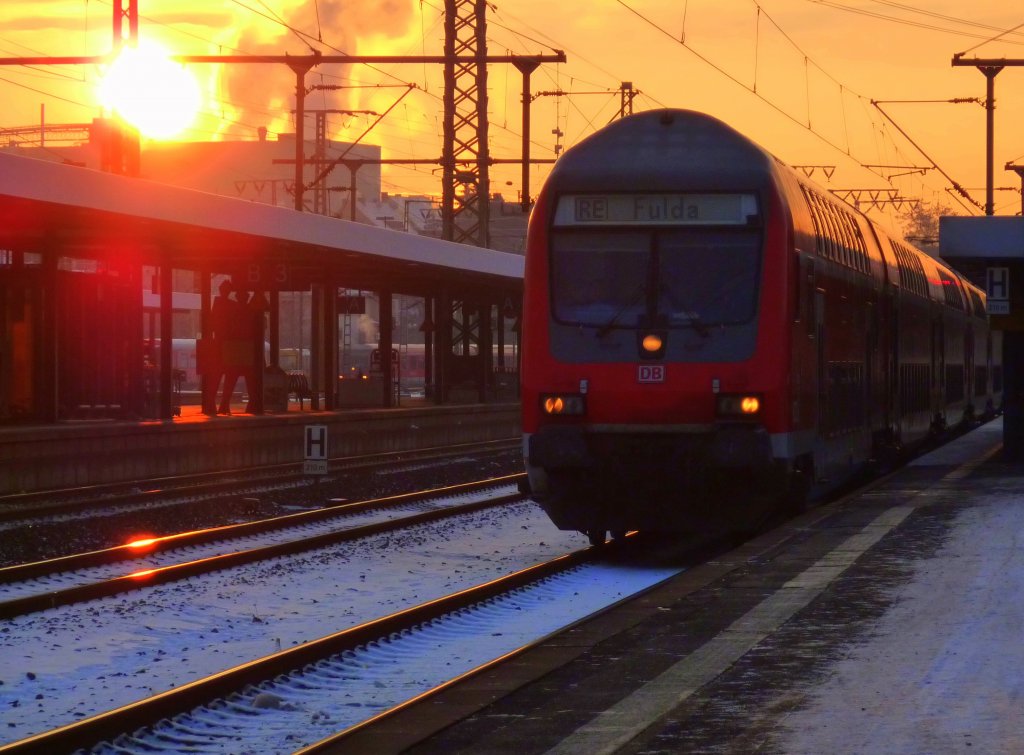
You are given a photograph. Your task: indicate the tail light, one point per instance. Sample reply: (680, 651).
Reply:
(738, 405)
(563, 404)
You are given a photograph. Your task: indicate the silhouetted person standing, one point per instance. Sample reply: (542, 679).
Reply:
(213, 345)
(236, 349)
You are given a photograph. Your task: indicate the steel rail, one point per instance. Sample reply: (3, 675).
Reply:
(40, 503)
(147, 577)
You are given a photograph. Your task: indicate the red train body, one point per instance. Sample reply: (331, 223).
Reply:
(707, 333)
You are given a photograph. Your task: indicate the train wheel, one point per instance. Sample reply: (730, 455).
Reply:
(596, 537)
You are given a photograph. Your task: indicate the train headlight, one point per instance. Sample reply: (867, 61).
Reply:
(738, 405)
(651, 344)
(563, 404)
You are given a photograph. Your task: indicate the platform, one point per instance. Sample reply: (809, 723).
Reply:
(889, 622)
(91, 452)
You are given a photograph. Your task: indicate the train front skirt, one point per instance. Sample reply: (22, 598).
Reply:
(676, 481)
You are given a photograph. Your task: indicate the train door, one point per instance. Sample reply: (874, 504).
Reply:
(969, 363)
(803, 357)
(822, 362)
(895, 392)
(938, 382)
(874, 415)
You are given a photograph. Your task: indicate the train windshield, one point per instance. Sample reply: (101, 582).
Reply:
(687, 277)
(597, 277)
(709, 277)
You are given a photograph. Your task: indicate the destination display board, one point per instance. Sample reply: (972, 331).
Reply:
(655, 209)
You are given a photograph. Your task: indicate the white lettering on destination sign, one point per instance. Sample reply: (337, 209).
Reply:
(655, 209)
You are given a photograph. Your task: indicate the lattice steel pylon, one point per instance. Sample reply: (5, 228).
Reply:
(121, 144)
(126, 10)
(465, 194)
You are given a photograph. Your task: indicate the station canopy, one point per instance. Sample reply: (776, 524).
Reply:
(76, 212)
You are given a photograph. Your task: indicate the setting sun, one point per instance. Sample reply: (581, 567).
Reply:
(150, 91)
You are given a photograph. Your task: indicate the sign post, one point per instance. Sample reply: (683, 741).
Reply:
(315, 450)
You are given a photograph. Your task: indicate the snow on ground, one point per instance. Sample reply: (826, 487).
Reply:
(354, 686)
(942, 670)
(65, 664)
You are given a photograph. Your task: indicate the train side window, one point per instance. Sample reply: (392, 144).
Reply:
(826, 230)
(862, 246)
(819, 234)
(831, 225)
(851, 240)
(837, 232)
(854, 242)
(839, 252)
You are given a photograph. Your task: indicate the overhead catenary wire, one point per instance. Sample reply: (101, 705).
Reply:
(789, 116)
(907, 22)
(589, 120)
(992, 39)
(731, 77)
(955, 185)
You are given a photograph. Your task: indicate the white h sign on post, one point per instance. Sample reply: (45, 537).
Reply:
(315, 450)
(997, 285)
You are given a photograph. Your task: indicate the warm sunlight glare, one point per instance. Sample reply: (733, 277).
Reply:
(150, 91)
(141, 543)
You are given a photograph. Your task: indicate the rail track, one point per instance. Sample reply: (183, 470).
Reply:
(268, 704)
(215, 484)
(322, 691)
(25, 588)
(82, 660)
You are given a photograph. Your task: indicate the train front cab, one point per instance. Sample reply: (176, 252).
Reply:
(858, 346)
(618, 436)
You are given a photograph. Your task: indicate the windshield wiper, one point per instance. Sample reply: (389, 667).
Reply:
(610, 325)
(694, 321)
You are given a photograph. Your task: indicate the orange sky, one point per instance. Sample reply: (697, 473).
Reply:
(811, 61)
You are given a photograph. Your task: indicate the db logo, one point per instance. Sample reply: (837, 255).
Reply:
(651, 373)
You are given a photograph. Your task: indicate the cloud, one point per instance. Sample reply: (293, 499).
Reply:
(43, 23)
(65, 22)
(265, 93)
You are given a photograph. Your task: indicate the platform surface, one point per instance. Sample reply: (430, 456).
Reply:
(73, 454)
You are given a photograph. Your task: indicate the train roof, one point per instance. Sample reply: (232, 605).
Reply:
(670, 146)
(82, 212)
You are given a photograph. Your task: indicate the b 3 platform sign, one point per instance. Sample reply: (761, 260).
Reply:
(315, 450)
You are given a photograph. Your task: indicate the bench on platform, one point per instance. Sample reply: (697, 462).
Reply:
(298, 384)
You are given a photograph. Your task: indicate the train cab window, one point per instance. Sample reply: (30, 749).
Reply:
(686, 278)
(598, 277)
(707, 277)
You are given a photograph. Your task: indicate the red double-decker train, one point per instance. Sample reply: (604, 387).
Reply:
(708, 335)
